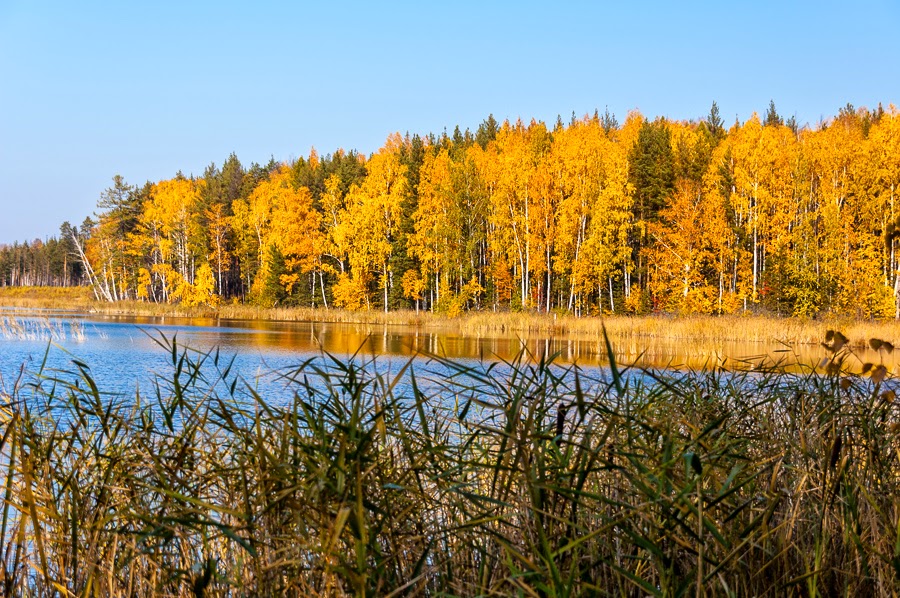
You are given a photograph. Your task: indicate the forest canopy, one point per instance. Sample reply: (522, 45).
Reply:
(586, 217)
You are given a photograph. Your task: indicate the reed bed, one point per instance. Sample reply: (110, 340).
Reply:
(736, 328)
(47, 297)
(41, 329)
(251, 312)
(688, 329)
(453, 479)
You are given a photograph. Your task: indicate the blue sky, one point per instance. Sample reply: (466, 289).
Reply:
(144, 89)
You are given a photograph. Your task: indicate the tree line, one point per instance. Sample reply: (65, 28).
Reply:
(587, 216)
(37, 263)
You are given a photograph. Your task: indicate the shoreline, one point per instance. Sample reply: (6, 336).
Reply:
(466, 461)
(693, 328)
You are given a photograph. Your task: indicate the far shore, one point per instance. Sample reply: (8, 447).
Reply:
(745, 328)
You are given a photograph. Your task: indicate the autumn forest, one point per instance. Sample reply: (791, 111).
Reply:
(588, 216)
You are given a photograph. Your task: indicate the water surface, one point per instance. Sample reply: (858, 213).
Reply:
(125, 352)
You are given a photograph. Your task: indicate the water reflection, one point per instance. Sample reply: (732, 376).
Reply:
(369, 339)
(122, 350)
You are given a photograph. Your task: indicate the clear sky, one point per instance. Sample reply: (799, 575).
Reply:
(144, 89)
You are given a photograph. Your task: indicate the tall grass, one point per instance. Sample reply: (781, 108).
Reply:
(621, 328)
(41, 328)
(514, 479)
(46, 297)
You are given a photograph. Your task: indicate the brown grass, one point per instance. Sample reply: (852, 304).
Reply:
(635, 329)
(523, 481)
(46, 297)
(689, 329)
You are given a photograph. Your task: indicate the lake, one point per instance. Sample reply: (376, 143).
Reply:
(123, 352)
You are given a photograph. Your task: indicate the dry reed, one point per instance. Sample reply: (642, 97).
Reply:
(524, 478)
(688, 329)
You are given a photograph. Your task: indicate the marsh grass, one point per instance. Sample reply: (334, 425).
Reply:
(621, 328)
(41, 328)
(686, 329)
(46, 297)
(452, 479)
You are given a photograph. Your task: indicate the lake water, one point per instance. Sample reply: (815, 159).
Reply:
(125, 352)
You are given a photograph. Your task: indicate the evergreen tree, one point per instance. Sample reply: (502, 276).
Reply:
(458, 139)
(412, 155)
(652, 169)
(792, 124)
(772, 118)
(121, 204)
(559, 124)
(232, 178)
(608, 122)
(351, 170)
(652, 174)
(273, 291)
(714, 123)
(487, 131)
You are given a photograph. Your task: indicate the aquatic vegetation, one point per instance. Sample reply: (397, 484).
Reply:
(41, 328)
(453, 478)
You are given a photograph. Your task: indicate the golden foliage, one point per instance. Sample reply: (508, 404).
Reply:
(763, 217)
(350, 293)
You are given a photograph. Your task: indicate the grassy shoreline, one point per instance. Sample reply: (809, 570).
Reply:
(520, 481)
(692, 328)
